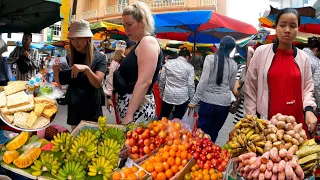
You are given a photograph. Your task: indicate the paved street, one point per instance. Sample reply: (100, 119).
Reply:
(61, 119)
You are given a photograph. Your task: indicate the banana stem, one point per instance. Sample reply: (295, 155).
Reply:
(44, 168)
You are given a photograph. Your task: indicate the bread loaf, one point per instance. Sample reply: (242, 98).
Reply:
(18, 99)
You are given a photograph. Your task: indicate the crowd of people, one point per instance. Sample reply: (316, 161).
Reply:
(261, 86)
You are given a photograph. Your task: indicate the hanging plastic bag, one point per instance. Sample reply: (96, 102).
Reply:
(190, 118)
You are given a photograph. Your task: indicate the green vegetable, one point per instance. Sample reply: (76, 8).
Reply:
(47, 89)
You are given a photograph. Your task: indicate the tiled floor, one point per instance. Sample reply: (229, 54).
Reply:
(61, 119)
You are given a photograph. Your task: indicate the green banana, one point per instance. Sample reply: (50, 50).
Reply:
(71, 170)
(100, 166)
(46, 162)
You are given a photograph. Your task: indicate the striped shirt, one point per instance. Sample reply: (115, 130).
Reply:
(315, 68)
(177, 81)
(239, 114)
(34, 62)
(207, 90)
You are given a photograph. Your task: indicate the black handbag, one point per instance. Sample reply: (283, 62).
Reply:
(23, 64)
(119, 84)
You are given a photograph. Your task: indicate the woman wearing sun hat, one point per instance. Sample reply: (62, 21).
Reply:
(88, 67)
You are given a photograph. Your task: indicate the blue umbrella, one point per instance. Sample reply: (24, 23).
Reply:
(41, 45)
(200, 27)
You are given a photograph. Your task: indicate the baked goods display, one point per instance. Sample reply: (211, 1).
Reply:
(25, 111)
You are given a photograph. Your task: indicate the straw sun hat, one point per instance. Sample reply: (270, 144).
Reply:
(79, 28)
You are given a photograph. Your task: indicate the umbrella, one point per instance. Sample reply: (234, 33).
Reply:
(37, 45)
(200, 27)
(28, 15)
(308, 22)
(103, 30)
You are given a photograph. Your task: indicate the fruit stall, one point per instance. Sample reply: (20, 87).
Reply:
(163, 149)
(151, 150)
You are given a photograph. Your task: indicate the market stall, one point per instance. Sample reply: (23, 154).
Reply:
(158, 149)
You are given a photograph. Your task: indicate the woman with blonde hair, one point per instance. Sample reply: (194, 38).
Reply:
(88, 67)
(139, 70)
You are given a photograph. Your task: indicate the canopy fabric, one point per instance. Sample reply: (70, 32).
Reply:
(200, 27)
(28, 15)
(309, 23)
(102, 30)
(105, 25)
(38, 45)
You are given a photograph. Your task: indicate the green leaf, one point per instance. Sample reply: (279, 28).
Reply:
(32, 139)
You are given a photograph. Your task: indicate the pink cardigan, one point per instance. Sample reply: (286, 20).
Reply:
(256, 84)
(114, 65)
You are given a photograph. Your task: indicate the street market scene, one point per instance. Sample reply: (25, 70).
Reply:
(159, 89)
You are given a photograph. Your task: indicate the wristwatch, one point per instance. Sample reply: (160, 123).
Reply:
(108, 97)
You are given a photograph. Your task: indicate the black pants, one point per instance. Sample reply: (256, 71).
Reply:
(178, 112)
(211, 118)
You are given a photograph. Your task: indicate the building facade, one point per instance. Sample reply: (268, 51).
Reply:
(110, 10)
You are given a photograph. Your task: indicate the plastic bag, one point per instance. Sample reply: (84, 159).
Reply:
(190, 118)
(31, 145)
(50, 91)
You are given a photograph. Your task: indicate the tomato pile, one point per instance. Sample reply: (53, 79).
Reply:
(144, 141)
(208, 155)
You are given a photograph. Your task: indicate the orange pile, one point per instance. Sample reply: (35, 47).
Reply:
(132, 173)
(204, 174)
(168, 161)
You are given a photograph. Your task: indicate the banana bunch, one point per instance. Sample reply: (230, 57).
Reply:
(248, 136)
(82, 159)
(114, 133)
(309, 155)
(72, 171)
(46, 163)
(109, 154)
(84, 145)
(90, 132)
(62, 142)
(100, 166)
(102, 122)
(112, 145)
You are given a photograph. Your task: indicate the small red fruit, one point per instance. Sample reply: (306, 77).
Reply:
(152, 147)
(203, 158)
(134, 150)
(139, 130)
(153, 133)
(196, 155)
(146, 142)
(135, 136)
(152, 139)
(141, 143)
(129, 134)
(144, 135)
(146, 149)
(132, 142)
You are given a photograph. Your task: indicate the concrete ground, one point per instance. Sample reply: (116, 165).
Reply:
(61, 119)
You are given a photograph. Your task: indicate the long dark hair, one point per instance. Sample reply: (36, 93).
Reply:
(313, 42)
(226, 45)
(287, 11)
(184, 52)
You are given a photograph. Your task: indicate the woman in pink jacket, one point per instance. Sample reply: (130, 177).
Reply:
(279, 78)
